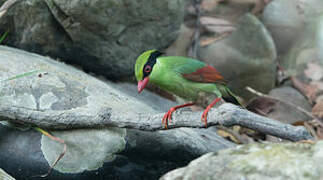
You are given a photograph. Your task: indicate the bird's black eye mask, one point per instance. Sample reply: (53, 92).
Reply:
(148, 67)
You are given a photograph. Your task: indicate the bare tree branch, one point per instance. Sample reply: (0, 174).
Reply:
(6, 6)
(225, 115)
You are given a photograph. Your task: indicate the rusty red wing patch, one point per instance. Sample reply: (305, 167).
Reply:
(207, 74)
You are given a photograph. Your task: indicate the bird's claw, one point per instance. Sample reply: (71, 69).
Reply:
(168, 117)
(204, 118)
(204, 115)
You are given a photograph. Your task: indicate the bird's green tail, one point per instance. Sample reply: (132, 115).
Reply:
(229, 96)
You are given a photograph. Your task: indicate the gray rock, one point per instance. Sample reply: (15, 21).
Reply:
(286, 20)
(104, 37)
(282, 17)
(256, 161)
(246, 58)
(306, 49)
(183, 42)
(162, 151)
(319, 40)
(179, 143)
(296, 29)
(286, 113)
(5, 176)
(59, 90)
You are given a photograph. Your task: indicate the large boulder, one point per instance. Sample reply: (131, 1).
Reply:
(103, 37)
(246, 58)
(286, 20)
(296, 27)
(59, 91)
(256, 161)
(307, 48)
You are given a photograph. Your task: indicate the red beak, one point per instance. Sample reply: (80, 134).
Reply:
(142, 84)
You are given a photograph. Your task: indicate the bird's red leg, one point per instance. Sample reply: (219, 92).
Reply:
(168, 116)
(204, 115)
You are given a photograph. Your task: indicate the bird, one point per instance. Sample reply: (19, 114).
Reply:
(184, 77)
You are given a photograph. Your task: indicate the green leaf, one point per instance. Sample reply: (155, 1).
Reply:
(3, 37)
(20, 75)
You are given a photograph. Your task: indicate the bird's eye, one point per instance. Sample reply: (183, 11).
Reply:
(147, 69)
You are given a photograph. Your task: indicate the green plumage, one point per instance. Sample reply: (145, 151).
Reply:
(168, 73)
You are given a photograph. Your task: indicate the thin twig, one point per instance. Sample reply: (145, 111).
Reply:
(197, 6)
(55, 139)
(6, 6)
(214, 39)
(312, 131)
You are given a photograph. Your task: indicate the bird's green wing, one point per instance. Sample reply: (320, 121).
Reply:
(192, 69)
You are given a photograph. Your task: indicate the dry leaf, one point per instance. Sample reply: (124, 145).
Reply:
(318, 85)
(228, 135)
(307, 90)
(319, 133)
(216, 25)
(209, 5)
(233, 134)
(313, 71)
(318, 109)
(207, 41)
(315, 127)
(259, 6)
(319, 98)
(210, 40)
(262, 105)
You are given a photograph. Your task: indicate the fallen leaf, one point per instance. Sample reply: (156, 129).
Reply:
(209, 5)
(210, 40)
(318, 109)
(262, 105)
(258, 6)
(228, 135)
(216, 25)
(207, 41)
(307, 90)
(313, 71)
(319, 98)
(234, 135)
(317, 84)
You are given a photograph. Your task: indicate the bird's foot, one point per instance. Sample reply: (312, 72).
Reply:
(204, 115)
(168, 116)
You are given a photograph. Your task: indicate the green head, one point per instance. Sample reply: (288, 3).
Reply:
(144, 66)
